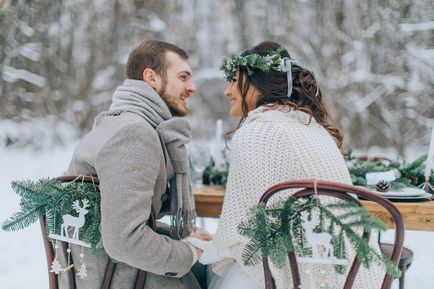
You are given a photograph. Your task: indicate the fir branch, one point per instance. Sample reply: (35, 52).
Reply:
(31, 193)
(268, 231)
(251, 255)
(411, 175)
(54, 199)
(21, 220)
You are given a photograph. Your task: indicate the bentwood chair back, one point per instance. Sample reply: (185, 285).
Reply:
(306, 188)
(111, 266)
(407, 254)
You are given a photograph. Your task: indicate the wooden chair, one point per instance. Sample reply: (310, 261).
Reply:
(404, 262)
(341, 191)
(111, 266)
(407, 255)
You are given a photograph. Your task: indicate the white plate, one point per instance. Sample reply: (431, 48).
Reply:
(408, 199)
(403, 192)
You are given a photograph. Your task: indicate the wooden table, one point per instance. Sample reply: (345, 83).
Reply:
(417, 215)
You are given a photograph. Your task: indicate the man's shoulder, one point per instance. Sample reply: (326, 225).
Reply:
(127, 123)
(118, 130)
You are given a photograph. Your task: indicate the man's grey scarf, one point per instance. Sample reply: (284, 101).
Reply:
(138, 97)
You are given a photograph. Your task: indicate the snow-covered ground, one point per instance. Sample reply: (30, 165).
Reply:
(23, 264)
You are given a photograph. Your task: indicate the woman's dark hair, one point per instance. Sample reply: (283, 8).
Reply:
(273, 87)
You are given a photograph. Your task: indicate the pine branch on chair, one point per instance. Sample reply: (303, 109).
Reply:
(268, 231)
(54, 199)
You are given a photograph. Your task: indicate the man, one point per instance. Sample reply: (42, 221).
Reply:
(136, 148)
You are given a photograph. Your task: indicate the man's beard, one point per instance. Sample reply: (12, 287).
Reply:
(171, 102)
(163, 86)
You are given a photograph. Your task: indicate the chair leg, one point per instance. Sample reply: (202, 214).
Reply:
(402, 280)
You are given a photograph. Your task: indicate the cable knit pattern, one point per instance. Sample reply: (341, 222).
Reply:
(274, 146)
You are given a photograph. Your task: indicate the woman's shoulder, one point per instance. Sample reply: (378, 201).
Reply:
(276, 115)
(275, 121)
(263, 126)
(267, 129)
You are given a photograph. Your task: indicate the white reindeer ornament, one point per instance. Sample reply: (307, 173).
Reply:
(321, 243)
(74, 222)
(316, 240)
(322, 253)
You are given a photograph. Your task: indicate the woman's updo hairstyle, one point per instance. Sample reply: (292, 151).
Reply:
(273, 87)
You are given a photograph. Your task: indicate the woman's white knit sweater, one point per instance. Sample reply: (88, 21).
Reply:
(274, 146)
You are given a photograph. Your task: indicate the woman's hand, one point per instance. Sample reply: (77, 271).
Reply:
(199, 252)
(203, 237)
(201, 234)
(211, 253)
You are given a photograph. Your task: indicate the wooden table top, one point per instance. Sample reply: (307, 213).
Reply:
(417, 215)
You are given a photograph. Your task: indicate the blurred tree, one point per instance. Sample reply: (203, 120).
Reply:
(373, 59)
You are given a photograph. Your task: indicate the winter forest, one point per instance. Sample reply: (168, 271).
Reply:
(374, 60)
(61, 61)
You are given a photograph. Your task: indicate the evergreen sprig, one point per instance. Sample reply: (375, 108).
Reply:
(252, 62)
(213, 175)
(410, 174)
(276, 231)
(54, 199)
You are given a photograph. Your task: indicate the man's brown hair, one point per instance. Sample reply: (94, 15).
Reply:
(150, 54)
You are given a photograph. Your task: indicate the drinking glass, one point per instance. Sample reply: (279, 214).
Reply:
(200, 156)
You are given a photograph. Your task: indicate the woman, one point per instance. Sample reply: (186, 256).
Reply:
(285, 133)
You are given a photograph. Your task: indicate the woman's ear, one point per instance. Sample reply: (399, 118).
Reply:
(149, 76)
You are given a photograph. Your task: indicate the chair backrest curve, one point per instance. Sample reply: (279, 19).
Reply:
(341, 191)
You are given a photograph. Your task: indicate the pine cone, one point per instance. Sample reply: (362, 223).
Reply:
(383, 186)
(414, 180)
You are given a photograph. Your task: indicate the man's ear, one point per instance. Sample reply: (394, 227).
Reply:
(149, 77)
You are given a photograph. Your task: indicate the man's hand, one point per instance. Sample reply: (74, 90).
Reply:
(210, 253)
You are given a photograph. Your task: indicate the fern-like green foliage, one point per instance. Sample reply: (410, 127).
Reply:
(212, 175)
(55, 199)
(411, 174)
(276, 231)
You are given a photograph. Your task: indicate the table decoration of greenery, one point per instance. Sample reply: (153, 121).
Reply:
(410, 174)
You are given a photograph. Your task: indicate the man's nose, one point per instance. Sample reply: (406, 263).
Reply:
(191, 88)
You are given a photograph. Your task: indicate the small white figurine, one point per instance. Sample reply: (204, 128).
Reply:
(316, 240)
(75, 222)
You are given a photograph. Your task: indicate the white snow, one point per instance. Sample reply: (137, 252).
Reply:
(157, 24)
(11, 74)
(41, 133)
(412, 27)
(23, 264)
(25, 29)
(31, 50)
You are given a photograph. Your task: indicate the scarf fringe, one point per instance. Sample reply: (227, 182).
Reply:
(182, 223)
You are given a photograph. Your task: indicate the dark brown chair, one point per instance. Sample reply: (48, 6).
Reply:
(407, 255)
(111, 266)
(404, 262)
(341, 191)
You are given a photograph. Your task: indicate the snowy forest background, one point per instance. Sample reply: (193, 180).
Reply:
(61, 60)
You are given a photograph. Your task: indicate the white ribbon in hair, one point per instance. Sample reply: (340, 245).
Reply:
(286, 67)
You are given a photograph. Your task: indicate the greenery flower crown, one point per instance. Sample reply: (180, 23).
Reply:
(252, 62)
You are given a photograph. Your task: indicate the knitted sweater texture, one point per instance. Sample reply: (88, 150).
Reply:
(273, 146)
